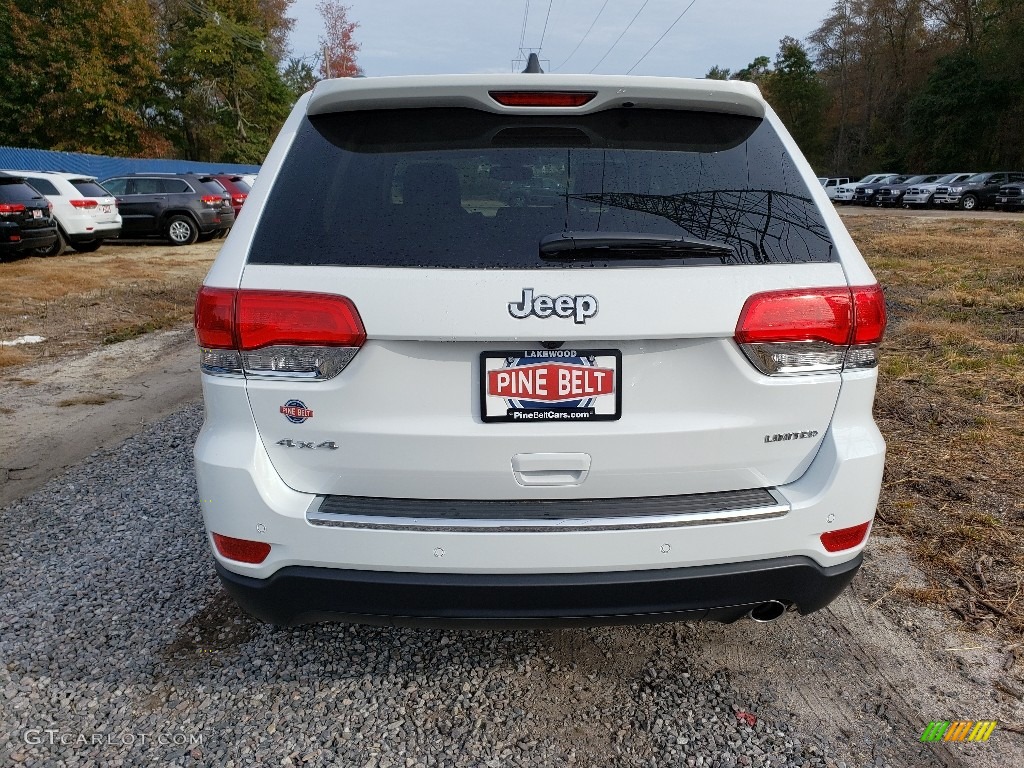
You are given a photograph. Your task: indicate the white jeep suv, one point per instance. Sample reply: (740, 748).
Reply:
(638, 388)
(86, 213)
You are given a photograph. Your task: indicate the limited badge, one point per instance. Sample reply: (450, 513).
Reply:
(296, 411)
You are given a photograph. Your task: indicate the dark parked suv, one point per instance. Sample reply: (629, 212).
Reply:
(25, 222)
(180, 207)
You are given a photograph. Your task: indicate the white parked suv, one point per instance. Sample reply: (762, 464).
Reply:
(85, 212)
(638, 389)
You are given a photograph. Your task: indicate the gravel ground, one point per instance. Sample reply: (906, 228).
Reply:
(119, 648)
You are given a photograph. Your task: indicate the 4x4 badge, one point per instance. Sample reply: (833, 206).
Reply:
(579, 308)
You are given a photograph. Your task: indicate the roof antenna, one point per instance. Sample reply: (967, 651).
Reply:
(533, 65)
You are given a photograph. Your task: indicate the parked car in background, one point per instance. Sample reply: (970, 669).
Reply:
(832, 185)
(25, 222)
(979, 191)
(865, 193)
(182, 208)
(1010, 197)
(237, 188)
(891, 195)
(248, 178)
(845, 192)
(86, 214)
(926, 194)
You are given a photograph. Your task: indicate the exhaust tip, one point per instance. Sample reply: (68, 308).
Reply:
(766, 612)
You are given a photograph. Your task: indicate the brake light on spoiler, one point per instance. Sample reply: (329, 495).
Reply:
(279, 334)
(542, 98)
(815, 330)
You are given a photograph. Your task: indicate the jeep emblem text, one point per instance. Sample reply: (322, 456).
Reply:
(579, 308)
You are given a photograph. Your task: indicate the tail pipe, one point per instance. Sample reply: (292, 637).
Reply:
(769, 611)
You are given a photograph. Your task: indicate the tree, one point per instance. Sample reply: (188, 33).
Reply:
(756, 71)
(798, 95)
(717, 73)
(78, 76)
(338, 43)
(299, 76)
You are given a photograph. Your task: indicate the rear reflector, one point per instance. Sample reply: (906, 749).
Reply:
(816, 330)
(845, 538)
(542, 98)
(87, 204)
(289, 334)
(241, 550)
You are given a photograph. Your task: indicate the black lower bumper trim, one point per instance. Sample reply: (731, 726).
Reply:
(301, 594)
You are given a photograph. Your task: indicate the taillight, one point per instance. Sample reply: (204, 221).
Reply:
(238, 199)
(212, 201)
(814, 330)
(542, 98)
(845, 538)
(242, 550)
(6, 209)
(289, 334)
(87, 204)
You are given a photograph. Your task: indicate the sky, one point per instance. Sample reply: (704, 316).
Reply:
(407, 37)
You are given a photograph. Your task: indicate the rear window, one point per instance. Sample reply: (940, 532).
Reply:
(89, 188)
(464, 188)
(17, 192)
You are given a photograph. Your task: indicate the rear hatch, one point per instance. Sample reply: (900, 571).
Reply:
(550, 304)
(22, 208)
(96, 202)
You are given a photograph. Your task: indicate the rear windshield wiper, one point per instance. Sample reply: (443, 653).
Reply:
(624, 245)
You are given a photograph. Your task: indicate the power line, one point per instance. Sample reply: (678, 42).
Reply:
(585, 36)
(620, 36)
(546, 18)
(526, 16)
(630, 70)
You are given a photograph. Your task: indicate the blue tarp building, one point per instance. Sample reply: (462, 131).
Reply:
(104, 167)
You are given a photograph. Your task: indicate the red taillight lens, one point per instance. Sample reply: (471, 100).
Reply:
(276, 333)
(212, 200)
(845, 538)
(273, 318)
(215, 318)
(238, 199)
(242, 550)
(824, 314)
(869, 314)
(542, 98)
(11, 208)
(87, 204)
(818, 330)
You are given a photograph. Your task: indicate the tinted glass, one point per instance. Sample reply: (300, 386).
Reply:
(463, 188)
(17, 192)
(243, 186)
(116, 186)
(148, 186)
(89, 188)
(175, 186)
(214, 187)
(44, 187)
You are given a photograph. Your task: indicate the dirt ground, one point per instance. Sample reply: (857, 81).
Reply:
(933, 626)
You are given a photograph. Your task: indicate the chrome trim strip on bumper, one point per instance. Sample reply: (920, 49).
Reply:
(647, 513)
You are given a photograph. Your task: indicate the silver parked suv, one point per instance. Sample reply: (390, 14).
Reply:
(541, 349)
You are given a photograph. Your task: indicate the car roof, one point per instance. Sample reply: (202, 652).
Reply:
(67, 175)
(729, 96)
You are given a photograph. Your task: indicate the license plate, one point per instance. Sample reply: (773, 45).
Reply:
(536, 385)
(105, 208)
(37, 213)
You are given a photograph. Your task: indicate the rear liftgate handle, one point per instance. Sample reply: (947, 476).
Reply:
(550, 468)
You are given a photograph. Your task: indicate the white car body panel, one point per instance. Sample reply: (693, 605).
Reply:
(98, 222)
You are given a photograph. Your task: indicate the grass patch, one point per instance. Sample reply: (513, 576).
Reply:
(124, 333)
(90, 398)
(950, 395)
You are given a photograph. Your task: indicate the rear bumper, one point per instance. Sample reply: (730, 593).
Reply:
(30, 239)
(726, 592)
(99, 233)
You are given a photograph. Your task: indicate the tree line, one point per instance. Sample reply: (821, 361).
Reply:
(206, 80)
(902, 85)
